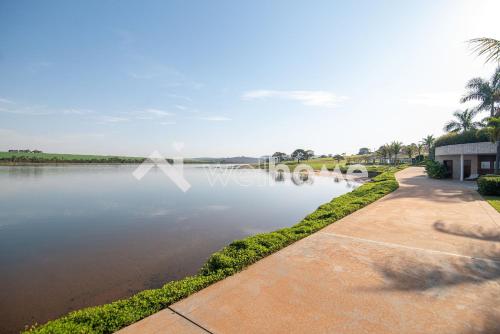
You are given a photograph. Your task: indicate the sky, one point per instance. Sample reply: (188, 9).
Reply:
(232, 78)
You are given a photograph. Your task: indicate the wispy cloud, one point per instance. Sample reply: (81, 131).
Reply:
(38, 66)
(6, 101)
(315, 98)
(151, 113)
(181, 107)
(29, 111)
(9, 106)
(168, 123)
(74, 111)
(180, 97)
(170, 76)
(111, 119)
(214, 118)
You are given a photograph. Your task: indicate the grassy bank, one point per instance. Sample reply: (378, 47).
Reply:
(229, 260)
(330, 164)
(21, 157)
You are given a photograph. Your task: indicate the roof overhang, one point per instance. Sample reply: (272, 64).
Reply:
(469, 148)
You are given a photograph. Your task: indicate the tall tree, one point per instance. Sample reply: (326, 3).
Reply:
(388, 149)
(410, 150)
(420, 148)
(464, 121)
(309, 154)
(364, 150)
(338, 157)
(428, 142)
(488, 47)
(280, 156)
(486, 92)
(382, 151)
(396, 147)
(299, 154)
(493, 127)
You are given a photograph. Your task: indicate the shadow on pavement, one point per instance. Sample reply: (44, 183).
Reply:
(433, 271)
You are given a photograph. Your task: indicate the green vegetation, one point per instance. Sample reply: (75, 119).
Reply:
(486, 92)
(489, 185)
(472, 136)
(231, 259)
(463, 122)
(22, 157)
(494, 201)
(329, 164)
(436, 170)
(13, 158)
(493, 128)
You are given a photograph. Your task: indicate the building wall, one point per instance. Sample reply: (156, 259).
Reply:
(456, 163)
(471, 148)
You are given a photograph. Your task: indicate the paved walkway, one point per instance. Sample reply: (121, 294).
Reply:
(424, 259)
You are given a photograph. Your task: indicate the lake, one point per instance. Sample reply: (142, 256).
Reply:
(81, 235)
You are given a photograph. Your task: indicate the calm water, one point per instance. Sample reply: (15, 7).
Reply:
(75, 236)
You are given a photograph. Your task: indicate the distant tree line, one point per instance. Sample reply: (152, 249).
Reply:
(299, 154)
(25, 151)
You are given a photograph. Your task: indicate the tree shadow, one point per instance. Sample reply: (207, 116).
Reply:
(475, 232)
(434, 271)
(424, 276)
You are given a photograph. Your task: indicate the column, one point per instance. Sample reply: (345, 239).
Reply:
(461, 167)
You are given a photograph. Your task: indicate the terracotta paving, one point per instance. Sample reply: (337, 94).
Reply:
(424, 259)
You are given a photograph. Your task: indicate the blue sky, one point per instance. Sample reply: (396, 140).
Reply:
(233, 78)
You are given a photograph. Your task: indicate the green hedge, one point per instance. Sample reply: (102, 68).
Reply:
(489, 185)
(436, 170)
(472, 136)
(229, 260)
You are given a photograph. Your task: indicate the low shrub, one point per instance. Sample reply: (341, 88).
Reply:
(489, 185)
(436, 170)
(110, 317)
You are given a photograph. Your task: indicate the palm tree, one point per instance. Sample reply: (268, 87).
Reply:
(486, 92)
(428, 142)
(396, 147)
(488, 47)
(410, 150)
(420, 148)
(464, 121)
(494, 131)
(388, 150)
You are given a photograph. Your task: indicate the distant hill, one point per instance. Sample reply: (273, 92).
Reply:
(229, 160)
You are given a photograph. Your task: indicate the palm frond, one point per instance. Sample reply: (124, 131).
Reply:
(452, 126)
(488, 47)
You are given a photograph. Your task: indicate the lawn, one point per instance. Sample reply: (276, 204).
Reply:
(494, 201)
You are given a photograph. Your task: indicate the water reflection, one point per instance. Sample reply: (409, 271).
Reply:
(75, 236)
